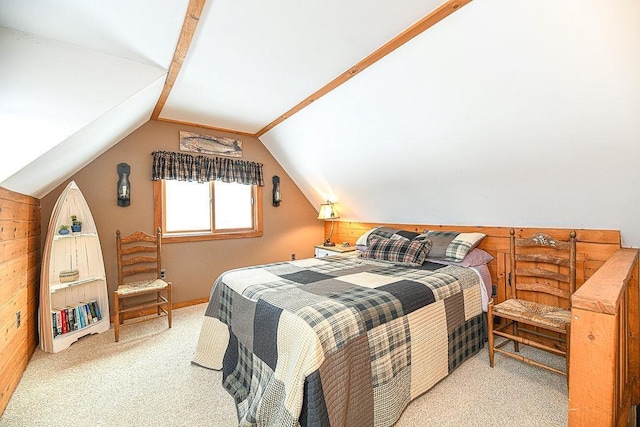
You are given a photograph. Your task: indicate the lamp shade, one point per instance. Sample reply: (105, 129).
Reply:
(328, 211)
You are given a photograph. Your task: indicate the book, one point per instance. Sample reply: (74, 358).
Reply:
(73, 321)
(58, 321)
(69, 319)
(54, 323)
(81, 316)
(85, 307)
(94, 316)
(73, 310)
(63, 320)
(96, 309)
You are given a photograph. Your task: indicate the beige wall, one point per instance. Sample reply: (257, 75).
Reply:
(192, 267)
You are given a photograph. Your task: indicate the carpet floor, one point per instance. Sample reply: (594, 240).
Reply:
(147, 380)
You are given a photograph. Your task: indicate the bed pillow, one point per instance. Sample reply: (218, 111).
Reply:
(399, 251)
(361, 243)
(474, 258)
(451, 245)
(386, 232)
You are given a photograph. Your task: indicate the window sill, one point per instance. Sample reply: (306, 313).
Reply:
(180, 238)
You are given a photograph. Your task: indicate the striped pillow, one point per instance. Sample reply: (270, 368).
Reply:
(399, 251)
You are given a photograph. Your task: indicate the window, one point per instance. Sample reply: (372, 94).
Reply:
(191, 211)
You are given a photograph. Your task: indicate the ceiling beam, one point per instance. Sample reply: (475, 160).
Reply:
(198, 125)
(191, 19)
(428, 21)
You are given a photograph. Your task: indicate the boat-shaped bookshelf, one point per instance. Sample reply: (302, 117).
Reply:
(73, 287)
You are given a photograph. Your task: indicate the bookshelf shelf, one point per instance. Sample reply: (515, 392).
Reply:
(56, 286)
(61, 320)
(73, 235)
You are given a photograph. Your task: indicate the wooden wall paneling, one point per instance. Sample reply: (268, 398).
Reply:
(9, 288)
(8, 327)
(504, 290)
(10, 229)
(13, 362)
(19, 286)
(29, 317)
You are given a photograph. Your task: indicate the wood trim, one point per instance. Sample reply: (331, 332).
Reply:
(425, 23)
(605, 349)
(602, 292)
(198, 125)
(191, 19)
(158, 221)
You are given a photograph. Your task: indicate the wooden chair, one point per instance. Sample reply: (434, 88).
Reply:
(139, 254)
(542, 280)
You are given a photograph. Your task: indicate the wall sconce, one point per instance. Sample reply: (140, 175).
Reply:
(124, 187)
(328, 211)
(276, 191)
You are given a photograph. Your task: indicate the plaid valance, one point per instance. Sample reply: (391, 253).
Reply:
(186, 167)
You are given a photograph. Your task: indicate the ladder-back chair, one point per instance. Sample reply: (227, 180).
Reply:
(140, 255)
(542, 279)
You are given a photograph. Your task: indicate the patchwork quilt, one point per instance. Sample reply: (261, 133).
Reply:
(338, 340)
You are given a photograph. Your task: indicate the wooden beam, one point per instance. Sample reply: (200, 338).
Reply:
(191, 19)
(219, 129)
(428, 21)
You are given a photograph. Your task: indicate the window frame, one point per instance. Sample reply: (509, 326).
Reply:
(158, 213)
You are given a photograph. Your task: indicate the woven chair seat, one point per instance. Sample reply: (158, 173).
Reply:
(140, 287)
(542, 314)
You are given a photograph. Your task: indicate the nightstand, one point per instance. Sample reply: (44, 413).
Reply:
(321, 250)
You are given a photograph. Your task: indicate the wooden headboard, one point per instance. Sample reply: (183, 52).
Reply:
(593, 249)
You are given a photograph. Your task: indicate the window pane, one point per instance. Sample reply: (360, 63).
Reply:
(233, 207)
(187, 206)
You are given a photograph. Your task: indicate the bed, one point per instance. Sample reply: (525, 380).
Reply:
(342, 340)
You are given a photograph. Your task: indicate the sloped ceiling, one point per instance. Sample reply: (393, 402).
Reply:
(76, 77)
(503, 113)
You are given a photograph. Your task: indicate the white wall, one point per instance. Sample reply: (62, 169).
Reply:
(62, 105)
(506, 113)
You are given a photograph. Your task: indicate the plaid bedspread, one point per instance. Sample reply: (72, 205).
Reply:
(339, 340)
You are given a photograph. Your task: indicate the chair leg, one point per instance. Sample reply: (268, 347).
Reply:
(490, 337)
(516, 344)
(170, 304)
(116, 316)
(158, 299)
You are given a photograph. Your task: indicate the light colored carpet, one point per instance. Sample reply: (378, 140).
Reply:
(147, 380)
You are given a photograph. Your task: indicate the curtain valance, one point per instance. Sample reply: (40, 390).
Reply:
(186, 167)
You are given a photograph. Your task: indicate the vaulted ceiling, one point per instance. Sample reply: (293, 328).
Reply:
(425, 111)
(240, 66)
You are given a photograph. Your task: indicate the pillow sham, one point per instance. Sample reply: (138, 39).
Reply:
(474, 258)
(361, 243)
(386, 232)
(451, 245)
(399, 251)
